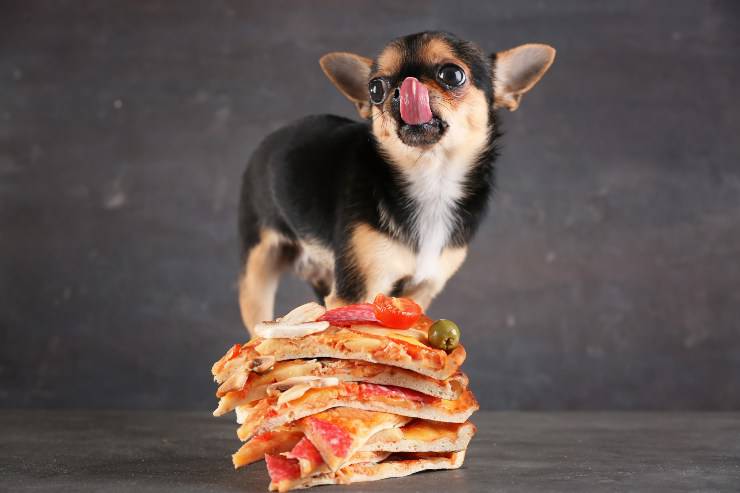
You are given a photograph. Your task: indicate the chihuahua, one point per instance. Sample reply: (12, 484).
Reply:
(387, 204)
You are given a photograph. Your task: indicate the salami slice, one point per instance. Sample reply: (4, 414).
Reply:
(338, 440)
(281, 468)
(370, 390)
(346, 316)
(307, 451)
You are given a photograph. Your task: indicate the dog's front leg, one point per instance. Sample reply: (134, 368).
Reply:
(426, 290)
(368, 263)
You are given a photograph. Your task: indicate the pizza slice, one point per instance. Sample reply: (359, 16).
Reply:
(311, 463)
(271, 442)
(338, 433)
(419, 435)
(272, 412)
(408, 349)
(285, 474)
(328, 438)
(254, 386)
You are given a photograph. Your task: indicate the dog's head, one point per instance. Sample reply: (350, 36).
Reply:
(433, 90)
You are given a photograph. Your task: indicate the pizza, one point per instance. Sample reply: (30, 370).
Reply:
(254, 386)
(417, 435)
(358, 393)
(269, 413)
(285, 475)
(407, 349)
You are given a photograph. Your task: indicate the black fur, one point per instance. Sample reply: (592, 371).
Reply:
(321, 175)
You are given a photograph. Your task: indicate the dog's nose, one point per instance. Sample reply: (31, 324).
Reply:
(414, 103)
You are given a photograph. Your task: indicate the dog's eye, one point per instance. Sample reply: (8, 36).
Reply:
(451, 75)
(377, 90)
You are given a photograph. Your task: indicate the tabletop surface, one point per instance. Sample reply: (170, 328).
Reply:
(183, 452)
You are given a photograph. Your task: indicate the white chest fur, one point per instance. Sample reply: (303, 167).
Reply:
(436, 185)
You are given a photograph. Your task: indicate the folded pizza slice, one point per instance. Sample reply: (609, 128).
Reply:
(274, 442)
(338, 433)
(272, 412)
(285, 474)
(316, 372)
(310, 462)
(328, 438)
(421, 435)
(408, 349)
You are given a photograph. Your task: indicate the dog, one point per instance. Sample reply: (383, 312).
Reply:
(387, 204)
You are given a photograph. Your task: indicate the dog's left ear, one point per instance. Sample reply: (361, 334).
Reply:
(517, 70)
(351, 74)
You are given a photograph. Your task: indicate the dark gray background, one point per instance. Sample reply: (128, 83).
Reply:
(607, 275)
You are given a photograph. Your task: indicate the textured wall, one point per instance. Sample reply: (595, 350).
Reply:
(606, 276)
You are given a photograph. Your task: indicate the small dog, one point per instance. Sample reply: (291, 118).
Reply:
(387, 204)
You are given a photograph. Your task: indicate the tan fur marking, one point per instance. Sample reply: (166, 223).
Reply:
(259, 281)
(436, 51)
(315, 263)
(383, 261)
(449, 262)
(389, 61)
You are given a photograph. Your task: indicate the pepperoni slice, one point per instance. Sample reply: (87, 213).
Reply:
(346, 316)
(370, 390)
(281, 468)
(335, 438)
(304, 449)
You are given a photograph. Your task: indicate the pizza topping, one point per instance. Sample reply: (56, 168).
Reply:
(396, 313)
(311, 381)
(306, 450)
(444, 334)
(338, 440)
(261, 364)
(369, 391)
(412, 336)
(310, 312)
(293, 393)
(280, 330)
(346, 316)
(232, 353)
(281, 468)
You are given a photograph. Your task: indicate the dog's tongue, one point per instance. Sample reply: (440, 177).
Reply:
(415, 108)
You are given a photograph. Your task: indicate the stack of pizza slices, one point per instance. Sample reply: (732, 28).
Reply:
(358, 393)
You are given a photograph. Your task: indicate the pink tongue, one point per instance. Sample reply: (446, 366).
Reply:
(415, 108)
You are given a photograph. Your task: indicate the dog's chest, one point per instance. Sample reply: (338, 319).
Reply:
(436, 186)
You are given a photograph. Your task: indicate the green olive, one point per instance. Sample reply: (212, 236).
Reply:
(444, 334)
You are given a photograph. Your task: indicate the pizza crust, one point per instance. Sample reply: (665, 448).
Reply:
(362, 472)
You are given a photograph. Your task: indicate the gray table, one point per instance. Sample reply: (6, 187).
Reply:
(183, 452)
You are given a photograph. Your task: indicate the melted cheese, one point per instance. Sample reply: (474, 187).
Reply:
(297, 386)
(412, 336)
(428, 431)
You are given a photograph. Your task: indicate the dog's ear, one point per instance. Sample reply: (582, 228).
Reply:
(350, 73)
(517, 70)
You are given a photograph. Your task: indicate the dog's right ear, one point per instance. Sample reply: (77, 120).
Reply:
(351, 74)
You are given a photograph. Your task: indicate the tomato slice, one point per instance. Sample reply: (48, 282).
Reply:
(346, 316)
(396, 313)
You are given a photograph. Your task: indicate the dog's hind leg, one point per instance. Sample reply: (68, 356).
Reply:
(264, 261)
